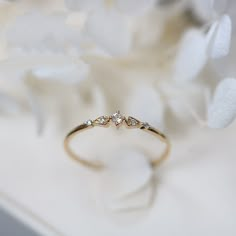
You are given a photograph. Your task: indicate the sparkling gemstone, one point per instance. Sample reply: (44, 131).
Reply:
(102, 120)
(117, 118)
(132, 121)
(89, 122)
(146, 125)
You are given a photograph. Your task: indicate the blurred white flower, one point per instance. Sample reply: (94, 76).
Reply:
(222, 110)
(71, 45)
(50, 66)
(43, 32)
(109, 22)
(198, 47)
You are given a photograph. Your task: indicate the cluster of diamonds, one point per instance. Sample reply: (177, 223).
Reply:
(117, 118)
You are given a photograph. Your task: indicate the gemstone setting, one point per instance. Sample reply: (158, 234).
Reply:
(102, 120)
(89, 122)
(131, 121)
(117, 118)
(146, 125)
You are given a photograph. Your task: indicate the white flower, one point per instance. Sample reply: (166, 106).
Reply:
(125, 6)
(197, 48)
(43, 32)
(47, 50)
(109, 22)
(49, 66)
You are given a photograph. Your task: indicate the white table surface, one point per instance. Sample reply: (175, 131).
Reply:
(195, 194)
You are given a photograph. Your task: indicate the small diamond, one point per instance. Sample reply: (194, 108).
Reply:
(146, 125)
(89, 122)
(132, 121)
(102, 120)
(117, 118)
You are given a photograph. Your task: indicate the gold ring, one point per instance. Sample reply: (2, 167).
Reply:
(118, 119)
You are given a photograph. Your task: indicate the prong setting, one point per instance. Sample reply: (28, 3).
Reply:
(145, 125)
(132, 122)
(117, 118)
(89, 122)
(102, 120)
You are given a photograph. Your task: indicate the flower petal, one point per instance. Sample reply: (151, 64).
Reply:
(139, 102)
(109, 30)
(44, 66)
(189, 106)
(42, 32)
(222, 110)
(191, 56)
(219, 37)
(85, 5)
(70, 73)
(135, 6)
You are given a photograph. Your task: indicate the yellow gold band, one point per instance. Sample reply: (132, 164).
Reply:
(117, 119)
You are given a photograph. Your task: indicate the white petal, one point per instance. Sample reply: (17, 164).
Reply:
(145, 103)
(186, 101)
(110, 31)
(36, 30)
(219, 37)
(71, 73)
(135, 6)
(222, 110)
(86, 5)
(191, 56)
(43, 65)
(145, 35)
(127, 171)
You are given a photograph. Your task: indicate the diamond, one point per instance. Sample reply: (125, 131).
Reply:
(89, 122)
(102, 120)
(132, 122)
(146, 125)
(117, 118)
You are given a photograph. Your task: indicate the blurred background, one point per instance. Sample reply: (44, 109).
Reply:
(168, 62)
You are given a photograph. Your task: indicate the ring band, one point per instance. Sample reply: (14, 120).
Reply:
(118, 120)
